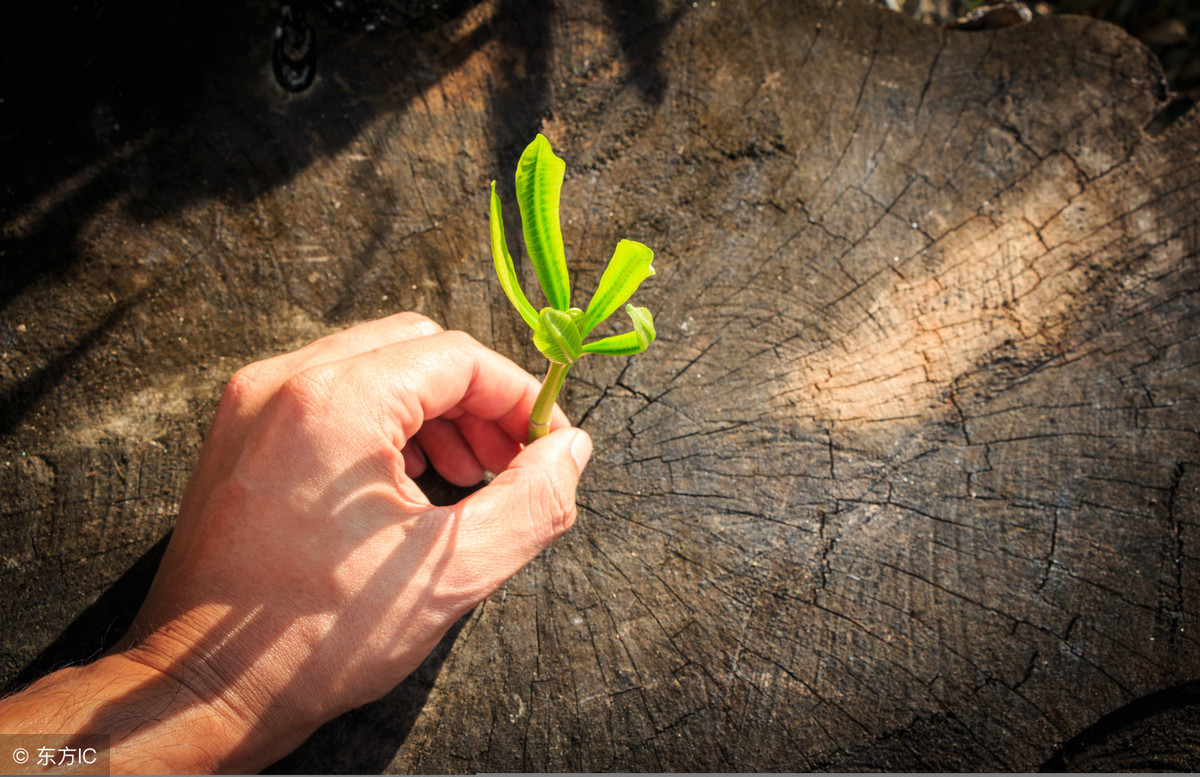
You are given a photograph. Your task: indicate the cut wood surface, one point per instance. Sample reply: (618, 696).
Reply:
(910, 479)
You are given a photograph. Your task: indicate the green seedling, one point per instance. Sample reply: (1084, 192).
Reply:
(559, 330)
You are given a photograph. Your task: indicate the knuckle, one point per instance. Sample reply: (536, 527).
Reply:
(416, 322)
(309, 391)
(244, 386)
(554, 510)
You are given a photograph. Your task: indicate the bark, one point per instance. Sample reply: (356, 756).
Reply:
(911, 479)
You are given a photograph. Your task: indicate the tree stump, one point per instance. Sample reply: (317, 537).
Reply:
(910, 481)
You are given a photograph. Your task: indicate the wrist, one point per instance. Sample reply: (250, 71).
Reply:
(150, 722)
(229, 715)
(238, 685)
(182, 720)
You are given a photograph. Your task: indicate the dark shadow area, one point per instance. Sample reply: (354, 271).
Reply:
(163, 105)
(523, 97)
(440, 491)
(1159, 732)
(101, 625)
(1175, 109)
(641, 37)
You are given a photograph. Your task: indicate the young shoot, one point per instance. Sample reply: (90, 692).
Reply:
(560, 331)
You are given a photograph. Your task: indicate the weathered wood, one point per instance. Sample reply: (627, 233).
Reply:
(910, 481)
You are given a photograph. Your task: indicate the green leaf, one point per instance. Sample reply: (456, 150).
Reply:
(504, 265)
(629, 266)
(557, 337)
(539, 184)
(631, 342)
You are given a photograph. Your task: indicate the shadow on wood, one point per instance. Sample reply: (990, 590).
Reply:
(1156, 733)
(100, 626)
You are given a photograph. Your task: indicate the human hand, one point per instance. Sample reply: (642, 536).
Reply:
(307, 573)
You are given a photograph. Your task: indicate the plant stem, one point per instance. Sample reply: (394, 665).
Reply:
(539, 419)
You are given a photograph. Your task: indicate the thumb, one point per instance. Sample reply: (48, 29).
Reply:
(531, 502)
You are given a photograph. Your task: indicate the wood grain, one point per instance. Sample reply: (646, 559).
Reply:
(909, 481)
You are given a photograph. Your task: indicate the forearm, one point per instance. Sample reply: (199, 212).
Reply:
(153, 723)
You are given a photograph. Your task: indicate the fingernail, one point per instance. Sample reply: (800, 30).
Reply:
(581, 449)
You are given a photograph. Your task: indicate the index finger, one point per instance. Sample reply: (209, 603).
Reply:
(255, 383)
(449, 374)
